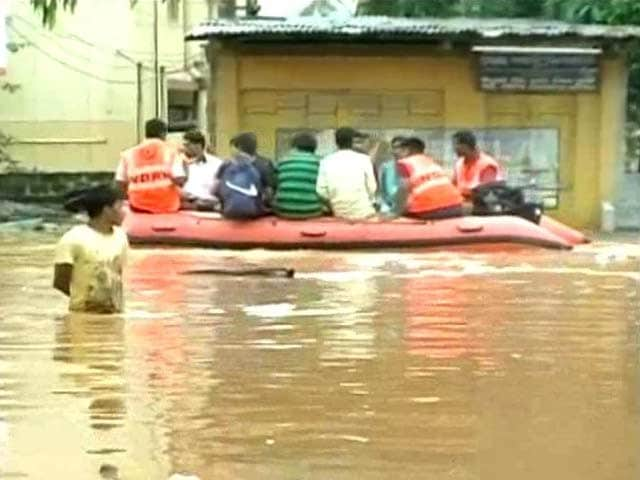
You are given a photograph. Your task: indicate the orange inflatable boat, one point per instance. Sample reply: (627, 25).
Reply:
(210, 230)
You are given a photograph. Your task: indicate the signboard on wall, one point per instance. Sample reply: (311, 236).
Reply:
(527, 154)
(538, 72)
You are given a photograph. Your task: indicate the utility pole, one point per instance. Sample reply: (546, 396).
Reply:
(139, 104)
(185, 31)
(156, 61)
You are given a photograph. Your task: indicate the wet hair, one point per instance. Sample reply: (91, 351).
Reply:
(413, 144)
(195, 136)
(466, 137)
(345, 137)
(246, 142)
(156, 128)
(305, 142)
(92, 200)
(397, 139)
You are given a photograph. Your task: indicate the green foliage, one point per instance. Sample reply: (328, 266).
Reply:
(611, 12)
(410, 8)
(49, 9)
(6, 162)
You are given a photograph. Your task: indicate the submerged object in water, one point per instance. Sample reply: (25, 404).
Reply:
(242, 272)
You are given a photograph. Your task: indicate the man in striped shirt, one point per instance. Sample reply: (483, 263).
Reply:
(297, 174)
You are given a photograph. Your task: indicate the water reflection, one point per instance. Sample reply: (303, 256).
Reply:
(91, 347)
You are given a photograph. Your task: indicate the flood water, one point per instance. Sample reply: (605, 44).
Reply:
(392, 365)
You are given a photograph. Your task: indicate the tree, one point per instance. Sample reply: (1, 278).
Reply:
(410, 8)
(49, 8)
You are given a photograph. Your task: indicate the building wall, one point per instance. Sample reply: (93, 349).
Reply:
(264, 89)
(76, 106)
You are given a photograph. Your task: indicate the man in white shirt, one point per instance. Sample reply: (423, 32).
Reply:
(202, 168)
(346, 180)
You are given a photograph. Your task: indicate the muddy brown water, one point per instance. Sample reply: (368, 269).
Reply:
(402, 365)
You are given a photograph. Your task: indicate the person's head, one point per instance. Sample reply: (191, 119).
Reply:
(396, 147)
(156, 128)
(246, 143)
(345, 137)
(194, 143)
(101, 202)
(411, 146)
(362, 143)
(465, 143)
(305, 142)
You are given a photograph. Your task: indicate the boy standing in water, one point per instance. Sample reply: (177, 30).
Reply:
(89, 258)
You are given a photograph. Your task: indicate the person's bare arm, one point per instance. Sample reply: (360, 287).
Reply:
(121, 176)
(62, 277)
(178, 171)
(179, 181)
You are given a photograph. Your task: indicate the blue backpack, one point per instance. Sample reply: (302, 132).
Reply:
(241, 190)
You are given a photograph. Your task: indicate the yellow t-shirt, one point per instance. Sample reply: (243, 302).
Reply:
(97, 259)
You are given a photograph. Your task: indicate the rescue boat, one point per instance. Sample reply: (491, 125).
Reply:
(187, 228)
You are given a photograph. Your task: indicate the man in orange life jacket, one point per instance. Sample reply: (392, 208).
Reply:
(427, 191)
(152, 172)
(474, 167)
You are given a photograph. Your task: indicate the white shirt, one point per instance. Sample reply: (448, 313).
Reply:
(347, 181)
(201, 179)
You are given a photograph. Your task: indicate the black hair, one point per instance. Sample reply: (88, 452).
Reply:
(466, 137)
(246, 142)
(305, 142)
(414, 144)
(397, 138)
(345, 136)
(156, 128)
(195, 136)
(92, 200)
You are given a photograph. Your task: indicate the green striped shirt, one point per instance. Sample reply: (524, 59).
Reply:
(296, 195)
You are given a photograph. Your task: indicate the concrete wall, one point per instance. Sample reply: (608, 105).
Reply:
(76, 106)
(266, 88)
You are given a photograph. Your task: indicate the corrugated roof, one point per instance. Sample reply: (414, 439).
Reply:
(405, 28)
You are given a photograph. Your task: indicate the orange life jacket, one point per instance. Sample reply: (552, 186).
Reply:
(468, 175)
(429, 187)
(149, 176)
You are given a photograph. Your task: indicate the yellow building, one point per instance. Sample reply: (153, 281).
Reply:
(547, 98)
(80, 99)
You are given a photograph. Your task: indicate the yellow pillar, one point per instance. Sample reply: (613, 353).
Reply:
(227, 98)
(583, 169)
(613, 98)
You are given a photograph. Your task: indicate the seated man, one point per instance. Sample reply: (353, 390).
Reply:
(242, 184)
(474, 167)
(427, 193)
(202, 167)
(297, 175)
(247, 143)
(346, 180)
(152, 173)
